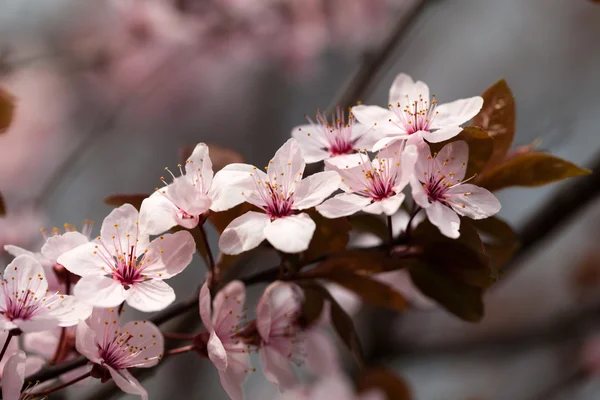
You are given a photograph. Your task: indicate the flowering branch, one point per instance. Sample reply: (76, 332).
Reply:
(62, 386)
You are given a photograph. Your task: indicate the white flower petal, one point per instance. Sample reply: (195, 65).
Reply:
(321, 353)
(405, 91)
(444, 133)
(199, 165)
(378, 119)
(205, 307)
(312, 190)
(127, 383)
(291, 234)
(311, 145)
(23, 270)
(287, 164)
(120, 230)
(387, 141)
(231, 185)
(186, 194)
(387, 206)
(478, 202)
(68, 311)
(158, 214)
(216, 352)
(85, 260)
(244, 233)
(277, 369)
(343, 205)
(86, 342)
(13, 376)
(452, 161)
(444, 218)
(228, 305)
(238, 365)
(149, 296)
(418, 193)
(58, 245)
(99, 291)
(457, 112)
(168, 255)
(147, 336)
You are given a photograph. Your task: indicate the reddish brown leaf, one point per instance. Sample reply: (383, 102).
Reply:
(117, 200)
(331, 236)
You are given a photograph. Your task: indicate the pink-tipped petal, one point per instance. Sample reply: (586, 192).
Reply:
(168, 255)
(478, 202)
(147, 336)
(228, 305)
(244, 233)
(216, 352)
(277, 369)
(127, 383)
(13, 376)
(199, 164)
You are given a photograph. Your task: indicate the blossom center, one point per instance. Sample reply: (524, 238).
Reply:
(25, 302)
(276, 197)
(336, 136)
(415, 116)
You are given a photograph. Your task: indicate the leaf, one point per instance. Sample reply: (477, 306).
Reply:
(312, 307)
(117, 200)
(370, 223)
(497, 117)
(530, 170)
(331, 236)
(219, 156)
(371, 291)
(2, 206)
(7, 110)
(341, 321)
(481, 146)
(463, 300)
(392, 385)
(499, 240)
(220, 220)
(426, 233)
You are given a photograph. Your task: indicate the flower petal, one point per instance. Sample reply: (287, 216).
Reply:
(291, 234)
(343, 205)
(444, 218)
(277, 369)
(445, 133)
(418, 193)
(120, 230)
(216, 352)
(405, 91)
(230, 184)
(309, 140)
(149, 296)
(199, 165)
(388, 141)
(13, 376)
(85, 260)
(23, 270)
(457, 112)
(146, 337)
(287, 164)
(478, 202)
(321, 352)
(228, 305)
(312, 190)
(387, 206)
(127, 383)
(452, 161)
(158, 214)
(99, 291)
(205, 307)
(186, 194)
(86, 342)
(58, 245)
(168, 255)
(378, 119)
(6, 324)
(244, 233)
(68, 311)
(233, 378)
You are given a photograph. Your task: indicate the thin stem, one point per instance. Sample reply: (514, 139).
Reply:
(179, 336)
(390, 231)
(211, 260)
(410, 221)
(63, 332)
(6, 343)
(180, 350)
(120, 311)
(59, 387)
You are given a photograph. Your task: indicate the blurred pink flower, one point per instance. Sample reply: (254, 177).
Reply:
(329, 388)
(20, 228)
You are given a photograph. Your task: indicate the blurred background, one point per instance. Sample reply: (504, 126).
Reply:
(109, 91)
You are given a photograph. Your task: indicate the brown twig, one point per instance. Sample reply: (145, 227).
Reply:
(62, 386)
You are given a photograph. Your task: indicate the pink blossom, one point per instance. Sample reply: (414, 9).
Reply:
(226, 350)
(33, 363)
(13, 377)
(322, 139)
(125, 266)
(374, 186)
(329, 388)
(284, 342)
(115, 348)
(438, 187)
(20, 227)
(190, 196)
(279, 193)
(27, 305)
(411, 111)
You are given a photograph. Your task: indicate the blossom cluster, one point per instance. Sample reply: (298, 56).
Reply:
(75, 288)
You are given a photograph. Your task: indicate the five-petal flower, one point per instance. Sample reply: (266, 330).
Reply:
(115, 348)
(124, 266)
(439, 187)
(279, 193)
(27, 305)
(412, 111)
(374, 186)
